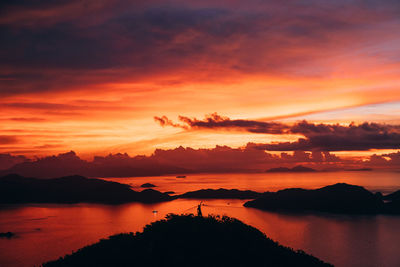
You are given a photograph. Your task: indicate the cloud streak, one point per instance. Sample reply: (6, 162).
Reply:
(323, 137)
(8, 139)
(216, 121)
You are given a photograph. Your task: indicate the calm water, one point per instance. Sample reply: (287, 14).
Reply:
(47, 231)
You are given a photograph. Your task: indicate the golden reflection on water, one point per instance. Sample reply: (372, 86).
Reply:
(342, 240)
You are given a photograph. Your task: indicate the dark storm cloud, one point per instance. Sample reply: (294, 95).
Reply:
(142, 42)
(111, 43)
(52, 45)
(139, 39)
(338, 143)
(216, 121)
(338, 137)
(323, 137)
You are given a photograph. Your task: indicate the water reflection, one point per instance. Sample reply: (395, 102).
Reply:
(341, 240)
(46, 232)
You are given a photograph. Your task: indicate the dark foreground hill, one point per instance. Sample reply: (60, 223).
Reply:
(338, 198)
(186, 240)
(72, 189)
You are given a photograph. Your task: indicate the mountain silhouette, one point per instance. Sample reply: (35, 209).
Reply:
(340, 198)
(147, 185)
(72, 189)
(298, 168)
(221, 194)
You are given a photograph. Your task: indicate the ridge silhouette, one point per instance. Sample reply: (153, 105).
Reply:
(338, 198)
(72, 189)
(188, 240)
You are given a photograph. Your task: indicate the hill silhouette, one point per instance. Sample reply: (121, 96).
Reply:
(187, 240)
(395, 196)
(298, 168)
(339, 198)
(147, 185)
(392, 204)
(221, 194)
(72, 189)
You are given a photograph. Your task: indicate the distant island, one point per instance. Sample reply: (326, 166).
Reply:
(147, 185)
(221, 194)
(72, 189)
(337, 198)
(360, 170)
(298, 168)
(7, 235)
(187, 240)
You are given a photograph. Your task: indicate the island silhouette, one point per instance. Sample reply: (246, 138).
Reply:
(337, 198)
(7, 235)
(298, 168)
(147, 185)
(72, 189)
(221, 194)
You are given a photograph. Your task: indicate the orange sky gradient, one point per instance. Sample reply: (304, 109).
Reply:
(90, 77)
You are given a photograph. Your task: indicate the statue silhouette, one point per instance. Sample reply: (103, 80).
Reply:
(199, 213)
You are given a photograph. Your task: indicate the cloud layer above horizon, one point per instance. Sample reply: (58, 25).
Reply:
(187, 160)
(320, 137)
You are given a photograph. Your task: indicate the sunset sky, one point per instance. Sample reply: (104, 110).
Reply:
(109, 76)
